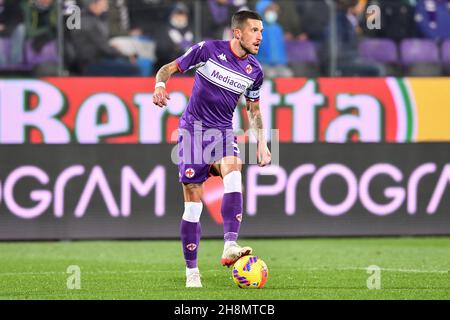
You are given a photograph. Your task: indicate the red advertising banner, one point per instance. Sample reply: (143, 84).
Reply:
(120, 110)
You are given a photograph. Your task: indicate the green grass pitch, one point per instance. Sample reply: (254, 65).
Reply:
(331, 268)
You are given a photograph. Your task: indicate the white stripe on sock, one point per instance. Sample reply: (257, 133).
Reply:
(232, 182)
(190, 271)
(192, 211)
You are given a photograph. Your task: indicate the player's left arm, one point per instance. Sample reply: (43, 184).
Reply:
(256, 125)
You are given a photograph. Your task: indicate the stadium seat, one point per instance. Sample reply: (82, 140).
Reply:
(302, 58)
(420, 57)
(49, 53)
(382, 51)
(445, 54)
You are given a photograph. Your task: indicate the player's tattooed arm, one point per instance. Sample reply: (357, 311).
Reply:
(163, 74)
(256, 125)
(160, 95)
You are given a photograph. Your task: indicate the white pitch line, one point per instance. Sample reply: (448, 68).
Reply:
(208, 271)
(364, 269)
(82, 272)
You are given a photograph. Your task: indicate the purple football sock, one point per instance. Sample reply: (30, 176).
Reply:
(190, 238)
(231, 215)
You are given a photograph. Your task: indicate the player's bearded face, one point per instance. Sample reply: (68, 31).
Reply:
(251, 36)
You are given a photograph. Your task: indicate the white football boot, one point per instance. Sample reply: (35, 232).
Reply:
(232, 252)
(193, 278)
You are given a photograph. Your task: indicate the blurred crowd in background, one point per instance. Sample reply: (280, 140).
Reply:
(301, 37)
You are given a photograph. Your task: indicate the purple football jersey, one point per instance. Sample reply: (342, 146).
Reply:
(221, 77)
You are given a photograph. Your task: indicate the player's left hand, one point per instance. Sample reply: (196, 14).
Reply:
(264, 155)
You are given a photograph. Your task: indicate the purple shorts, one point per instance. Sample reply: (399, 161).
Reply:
(198, 150)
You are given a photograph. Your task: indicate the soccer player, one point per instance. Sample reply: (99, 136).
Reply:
(224, 71)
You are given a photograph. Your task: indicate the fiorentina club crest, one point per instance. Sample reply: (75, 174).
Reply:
(190, 173)
(239, 217)
(249, 69)
(191, 246)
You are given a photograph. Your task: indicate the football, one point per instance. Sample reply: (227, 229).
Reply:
(250, 272)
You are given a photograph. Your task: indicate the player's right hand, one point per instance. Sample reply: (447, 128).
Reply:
(160, 97)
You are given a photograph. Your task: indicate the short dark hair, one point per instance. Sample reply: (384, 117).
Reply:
(240, 17)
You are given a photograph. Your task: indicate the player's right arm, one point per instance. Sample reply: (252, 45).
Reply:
(189, 60)
(160, 96)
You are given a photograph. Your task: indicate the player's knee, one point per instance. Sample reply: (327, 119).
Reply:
(192, 211)
(232, 162)
(232, 182)
(229, 164)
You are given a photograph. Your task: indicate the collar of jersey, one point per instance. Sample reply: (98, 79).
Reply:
(234, 53)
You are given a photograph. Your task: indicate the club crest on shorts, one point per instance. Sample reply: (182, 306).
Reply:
(189, 172)
(191, 246)
(248, 69)
(239, 217)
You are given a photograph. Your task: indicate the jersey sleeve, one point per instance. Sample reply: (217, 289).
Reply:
(194, 56)
(253, 92)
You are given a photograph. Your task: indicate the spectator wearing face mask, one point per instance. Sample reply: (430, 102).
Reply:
(175, 37)
(272, 53)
